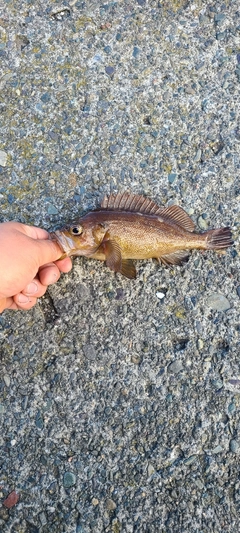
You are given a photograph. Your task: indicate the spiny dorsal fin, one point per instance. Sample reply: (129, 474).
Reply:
(131, 202)
(176, 214)
(140, 204)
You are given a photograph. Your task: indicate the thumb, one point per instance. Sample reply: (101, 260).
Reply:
(47, 250)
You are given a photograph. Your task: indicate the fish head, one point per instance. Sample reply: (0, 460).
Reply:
(80, 238)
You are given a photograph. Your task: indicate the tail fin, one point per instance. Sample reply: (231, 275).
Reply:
(218, 239)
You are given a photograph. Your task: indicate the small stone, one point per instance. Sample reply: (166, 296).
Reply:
(231, 408)
(109, 70)
(219, 17)
(160, 295)
(218, 449)
(95, 501)
(52, 210)
(234, 446)
(46, 97)
(21, 41)
(11, 198)
(136, 52)
(218, 302)
(43, 519)
(238, 291)
(171, 177)
(220, 35)
(7, 380)
(175, 367)
(11, 500)
(136, 359)
(69, 480)
(217, 384)
(89, 351)
(114, 148)
(110, 504)
(190, 460)
(151, 470)
(200, 344)
(3, 158)
(202, 223)
(198, 155)
(85, 158)
(233, 384)
(199, 484)
(39, 420)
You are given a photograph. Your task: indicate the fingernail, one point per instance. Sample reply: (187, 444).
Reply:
(31, 288)
(22, 299)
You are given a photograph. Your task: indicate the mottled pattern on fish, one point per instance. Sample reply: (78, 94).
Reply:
(129, 226)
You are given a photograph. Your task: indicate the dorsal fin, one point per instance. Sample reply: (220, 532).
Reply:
(131, 202)
(176, 214)
(140, 204)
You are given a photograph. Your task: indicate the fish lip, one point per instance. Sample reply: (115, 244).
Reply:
(64, 242)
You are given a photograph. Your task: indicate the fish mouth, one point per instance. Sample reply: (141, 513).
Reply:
(64, 242)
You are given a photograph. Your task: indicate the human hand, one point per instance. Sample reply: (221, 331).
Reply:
(29, 262)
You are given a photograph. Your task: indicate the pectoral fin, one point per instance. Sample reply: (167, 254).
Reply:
(114, 261)
(113, 255)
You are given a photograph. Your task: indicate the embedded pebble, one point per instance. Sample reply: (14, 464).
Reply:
(110, 504)
(114, 148)
(217, 449)
(11, 500)
(151, 470)
(200, 344)
(199, 484)
(233, 384)
(175, 367)
(3, 158)
(52, 210)
(234, 446)
(109, 70)
(202, 223)
(69, 480)
(160, 295)
(171, 177)
(7, 380)
(198, 155)
(218, 302)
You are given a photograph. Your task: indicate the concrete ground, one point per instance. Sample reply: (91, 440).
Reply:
(119, 399)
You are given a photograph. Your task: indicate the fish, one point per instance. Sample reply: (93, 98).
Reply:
(129, 226)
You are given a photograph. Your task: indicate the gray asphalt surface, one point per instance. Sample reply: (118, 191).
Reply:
(119, 400)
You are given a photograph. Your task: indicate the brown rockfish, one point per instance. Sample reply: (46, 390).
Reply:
(129, 226)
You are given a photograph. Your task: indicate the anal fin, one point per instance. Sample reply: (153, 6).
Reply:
(175, 258)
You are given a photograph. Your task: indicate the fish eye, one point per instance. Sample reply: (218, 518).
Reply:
(76, 230)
